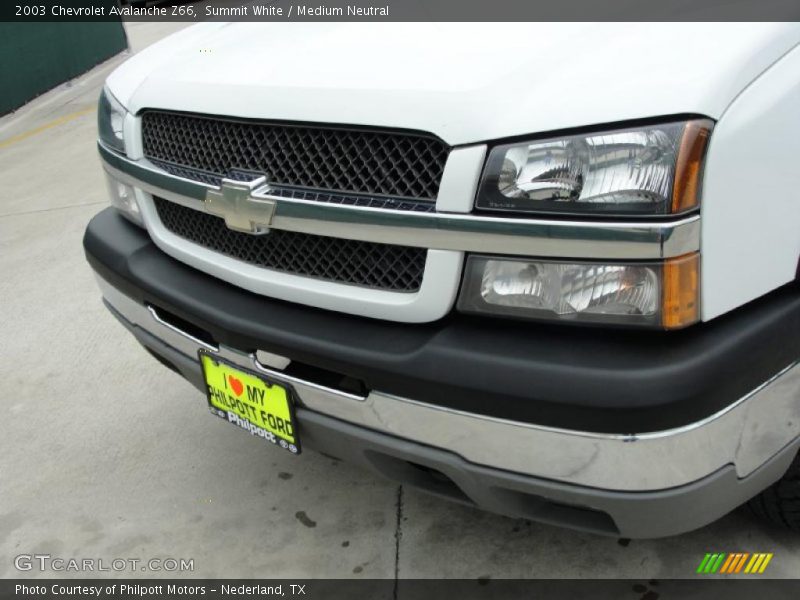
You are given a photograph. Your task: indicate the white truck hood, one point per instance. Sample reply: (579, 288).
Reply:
(462, 82)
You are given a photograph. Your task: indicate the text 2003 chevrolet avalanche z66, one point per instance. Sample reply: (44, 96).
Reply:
(547, 270)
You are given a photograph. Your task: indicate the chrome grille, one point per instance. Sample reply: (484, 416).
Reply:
(378, 266)
(348, 161)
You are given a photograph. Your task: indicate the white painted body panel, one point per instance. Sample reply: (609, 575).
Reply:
(466, 83)
(750, 223)
(473, 83)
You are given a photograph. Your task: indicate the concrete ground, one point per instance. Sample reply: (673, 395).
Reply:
(106, 454)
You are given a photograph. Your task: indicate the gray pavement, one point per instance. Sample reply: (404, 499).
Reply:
(106, 454)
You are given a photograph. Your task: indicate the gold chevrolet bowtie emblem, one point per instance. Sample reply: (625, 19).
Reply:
(234, 203)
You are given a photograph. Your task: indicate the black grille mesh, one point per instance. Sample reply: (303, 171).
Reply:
(356, 161)
(380, 266)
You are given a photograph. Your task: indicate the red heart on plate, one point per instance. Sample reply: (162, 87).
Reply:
(236, 385)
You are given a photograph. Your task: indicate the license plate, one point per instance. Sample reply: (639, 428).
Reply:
(261, 407)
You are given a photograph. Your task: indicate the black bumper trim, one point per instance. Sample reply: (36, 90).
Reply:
(589, 379)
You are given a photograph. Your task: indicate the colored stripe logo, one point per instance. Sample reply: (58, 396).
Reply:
(735, 562)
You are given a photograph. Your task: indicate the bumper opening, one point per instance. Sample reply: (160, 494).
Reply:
(182, 326)
(296, 369)
(515, 503)
(417, 475)
(541, 509)
(329, 379)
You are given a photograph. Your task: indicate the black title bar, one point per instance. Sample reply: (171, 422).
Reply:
(746, 587)
(400, 10)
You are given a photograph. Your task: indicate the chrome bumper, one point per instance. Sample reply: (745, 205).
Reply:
(747, 434)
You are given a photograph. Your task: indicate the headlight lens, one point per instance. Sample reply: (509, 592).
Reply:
(641, 170)
(123, 197)
(110, 121)
(650, 294)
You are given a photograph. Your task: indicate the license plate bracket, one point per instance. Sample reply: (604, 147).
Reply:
(252, 402)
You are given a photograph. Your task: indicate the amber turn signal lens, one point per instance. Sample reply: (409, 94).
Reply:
(680, 301)
(689, 165)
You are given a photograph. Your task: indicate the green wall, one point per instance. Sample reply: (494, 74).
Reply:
(38, 56)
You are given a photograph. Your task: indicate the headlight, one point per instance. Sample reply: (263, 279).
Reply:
(110, 129)
(110, 121)
(653, 169)
(650, 294)
(123, 197)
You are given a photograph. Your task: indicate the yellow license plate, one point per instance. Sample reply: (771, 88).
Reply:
(260, 407)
